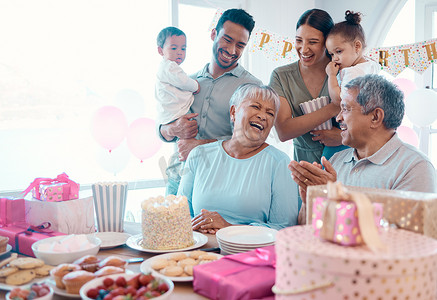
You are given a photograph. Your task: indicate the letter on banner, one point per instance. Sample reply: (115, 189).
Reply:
(431, 51)
(264, 39)
(405, 52)
(287, 48)
(383, 56)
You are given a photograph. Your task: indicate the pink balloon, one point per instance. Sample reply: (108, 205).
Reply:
(405, 85)
(408, 135)
(142, 139)
(109, 126)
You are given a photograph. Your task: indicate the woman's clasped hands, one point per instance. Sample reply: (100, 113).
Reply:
(208, 222)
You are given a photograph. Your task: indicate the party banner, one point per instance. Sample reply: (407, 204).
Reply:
(417, 56)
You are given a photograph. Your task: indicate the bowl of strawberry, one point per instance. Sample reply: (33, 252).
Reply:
(37, 291)
(127, 287)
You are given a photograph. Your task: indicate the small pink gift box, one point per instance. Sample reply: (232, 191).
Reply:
(243, 276)
(11, 211)
(345, 223)
(58, 189)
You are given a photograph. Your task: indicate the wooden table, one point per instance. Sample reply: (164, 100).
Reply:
(182, 290)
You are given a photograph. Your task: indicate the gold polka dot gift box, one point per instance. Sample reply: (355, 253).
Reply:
(412, 211)
(308, 267)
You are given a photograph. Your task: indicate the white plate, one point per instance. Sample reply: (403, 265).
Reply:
(112, 239)
(247, 235)
(135, 240)
(145, 266)
(8, 249)
(51, 281)
(4, 286)
(59, 291)
(232, 248)
(244, 246)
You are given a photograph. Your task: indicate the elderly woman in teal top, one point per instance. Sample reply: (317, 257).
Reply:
(243, 180)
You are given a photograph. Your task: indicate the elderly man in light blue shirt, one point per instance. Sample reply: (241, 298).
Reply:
(371, 111)
(208, 119)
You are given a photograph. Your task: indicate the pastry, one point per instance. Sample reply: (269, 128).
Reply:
(88, 263)
(5, 261)
(108, 270)
(187, 261)
(178, 256)
(196, 253)
(73, 281)
(172, 271)
(113, 261)
(43, 270)
(3, 243)
(159, 263)
(60, 271)
(189, 270)
(208, 256)
(8, 271)
(20, 277)
(26, 263)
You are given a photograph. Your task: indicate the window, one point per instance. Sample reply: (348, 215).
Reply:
(59, 62)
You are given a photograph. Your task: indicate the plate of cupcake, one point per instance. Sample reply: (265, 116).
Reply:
(67, 278)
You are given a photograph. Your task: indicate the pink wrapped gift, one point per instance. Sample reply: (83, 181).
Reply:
(58, 189)
(243, 276)
(11, 211)
(310, 268)
(346, 230)
(21, 238)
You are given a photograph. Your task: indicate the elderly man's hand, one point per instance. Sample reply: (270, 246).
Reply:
(305, 174)
(184, 128)
(186, 145)
(208, 222)
(329, 138)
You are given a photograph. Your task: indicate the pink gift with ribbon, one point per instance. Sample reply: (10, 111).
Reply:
(243, 276)
(347, 218)
(60, 188)
(11, 211)
(22, 237)
(346, 228)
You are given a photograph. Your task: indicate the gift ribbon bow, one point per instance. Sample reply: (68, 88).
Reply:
(60, 178)
(43, 228)
(368, 229)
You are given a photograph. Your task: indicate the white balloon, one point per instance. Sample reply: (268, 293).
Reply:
(131, 103)
(115, 161)
(421, 107)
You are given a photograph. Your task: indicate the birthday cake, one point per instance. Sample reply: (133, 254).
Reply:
(166, 223)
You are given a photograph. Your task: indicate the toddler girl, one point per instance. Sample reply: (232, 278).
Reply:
(346, 43)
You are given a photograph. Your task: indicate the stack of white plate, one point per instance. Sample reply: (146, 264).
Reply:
(236, 239)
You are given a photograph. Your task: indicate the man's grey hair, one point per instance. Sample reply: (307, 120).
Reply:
(375, 91)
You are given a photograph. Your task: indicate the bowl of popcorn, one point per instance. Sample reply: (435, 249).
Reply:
(37, 291)
(66, 248)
